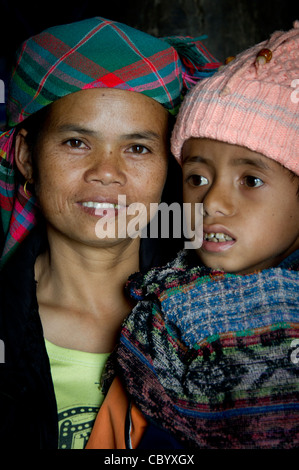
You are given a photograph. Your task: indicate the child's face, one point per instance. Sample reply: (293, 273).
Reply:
(249, 199)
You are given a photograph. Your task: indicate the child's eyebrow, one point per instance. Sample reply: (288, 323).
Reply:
(195, 159)
(256, 162)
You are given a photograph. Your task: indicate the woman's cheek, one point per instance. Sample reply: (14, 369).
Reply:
(53, 198)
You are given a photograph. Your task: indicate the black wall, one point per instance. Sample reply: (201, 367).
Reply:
(231, 25)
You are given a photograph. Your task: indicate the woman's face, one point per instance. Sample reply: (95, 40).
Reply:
(95, 146)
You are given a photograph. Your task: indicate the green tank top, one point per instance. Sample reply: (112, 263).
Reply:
(76, 377)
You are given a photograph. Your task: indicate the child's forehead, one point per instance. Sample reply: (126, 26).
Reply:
(209, 151)
(206, 147)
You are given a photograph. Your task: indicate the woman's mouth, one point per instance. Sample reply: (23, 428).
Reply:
(100, 205)
(101, 209)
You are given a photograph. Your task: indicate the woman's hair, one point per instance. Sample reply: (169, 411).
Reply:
(34, 125)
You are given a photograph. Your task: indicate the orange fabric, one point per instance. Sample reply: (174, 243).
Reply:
(109, 427)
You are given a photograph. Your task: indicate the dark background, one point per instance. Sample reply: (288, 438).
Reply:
(231, 25)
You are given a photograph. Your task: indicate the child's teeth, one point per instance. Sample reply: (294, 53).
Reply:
(210, 235)
(220, 236)
(217, 237)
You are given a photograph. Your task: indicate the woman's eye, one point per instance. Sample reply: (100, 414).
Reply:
(76, 144)
(252, 182)
(197, 180)
(138, 149)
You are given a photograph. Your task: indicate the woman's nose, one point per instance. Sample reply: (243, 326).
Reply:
(219, 201)
(106, 168)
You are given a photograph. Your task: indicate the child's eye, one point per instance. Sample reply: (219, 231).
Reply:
(138, 149)
(252, 181)
(197, 180)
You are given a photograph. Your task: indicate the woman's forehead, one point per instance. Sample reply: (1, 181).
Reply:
(91, 108)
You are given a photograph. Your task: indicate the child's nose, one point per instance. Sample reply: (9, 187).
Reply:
(219, 201)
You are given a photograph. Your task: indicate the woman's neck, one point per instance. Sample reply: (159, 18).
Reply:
(80, 291)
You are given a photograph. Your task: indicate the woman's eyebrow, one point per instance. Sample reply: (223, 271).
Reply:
(142, 135)
(138, 135)
(75, 128)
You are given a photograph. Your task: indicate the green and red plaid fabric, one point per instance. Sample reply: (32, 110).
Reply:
(92, 53)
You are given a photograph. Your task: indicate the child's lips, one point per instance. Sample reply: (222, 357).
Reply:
(217, 238)
(217, 231)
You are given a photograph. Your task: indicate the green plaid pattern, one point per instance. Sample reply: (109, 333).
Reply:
(92, 53)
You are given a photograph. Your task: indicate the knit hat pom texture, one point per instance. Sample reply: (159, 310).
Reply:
(249, 103)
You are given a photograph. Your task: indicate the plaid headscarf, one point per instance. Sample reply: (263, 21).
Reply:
(92, 53)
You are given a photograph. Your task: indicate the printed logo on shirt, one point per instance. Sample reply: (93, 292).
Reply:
(75, 425)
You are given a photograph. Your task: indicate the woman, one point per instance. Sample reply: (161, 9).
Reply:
(88, 117)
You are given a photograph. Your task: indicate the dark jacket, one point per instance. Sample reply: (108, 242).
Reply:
(27, 401)
(28, 413)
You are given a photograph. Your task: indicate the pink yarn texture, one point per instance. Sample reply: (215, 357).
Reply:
(249, 104)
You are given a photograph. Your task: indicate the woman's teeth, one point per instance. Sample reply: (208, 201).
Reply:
(217, 237)
(100, 205)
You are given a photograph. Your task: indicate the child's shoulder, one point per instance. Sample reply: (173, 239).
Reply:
(291, 263)
(185, 272)
(201, 302)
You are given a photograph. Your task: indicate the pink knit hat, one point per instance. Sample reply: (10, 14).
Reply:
(253, 102)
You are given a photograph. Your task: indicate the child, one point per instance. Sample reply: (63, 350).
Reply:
(209, 354)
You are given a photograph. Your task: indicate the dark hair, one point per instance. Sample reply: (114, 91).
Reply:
(293, 177)
(34, 125)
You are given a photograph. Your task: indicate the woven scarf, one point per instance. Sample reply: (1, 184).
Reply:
(212, 358)
(92, 53)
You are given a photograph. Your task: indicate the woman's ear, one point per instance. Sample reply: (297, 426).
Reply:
(23, 156)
